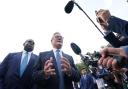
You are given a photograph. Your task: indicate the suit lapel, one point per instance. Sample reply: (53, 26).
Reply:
(18, 60)
(51, 54)
(64, 55)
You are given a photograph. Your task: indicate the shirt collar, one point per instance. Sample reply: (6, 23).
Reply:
(27, 52)
(54, 50)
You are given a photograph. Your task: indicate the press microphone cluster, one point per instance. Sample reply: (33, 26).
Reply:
(76, 49)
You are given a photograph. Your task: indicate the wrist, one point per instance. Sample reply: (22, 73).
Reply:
(46, 76)
(69, 73)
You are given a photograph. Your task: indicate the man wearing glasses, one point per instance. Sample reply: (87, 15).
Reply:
(55, 69)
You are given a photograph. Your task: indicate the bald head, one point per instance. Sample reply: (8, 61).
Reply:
(29, 45)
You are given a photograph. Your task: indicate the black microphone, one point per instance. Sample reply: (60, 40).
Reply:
(77, 50)
(85, 58)
(69, 7)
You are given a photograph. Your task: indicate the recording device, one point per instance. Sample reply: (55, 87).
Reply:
(77, 51)
(85, 58)
(110, 37)
(69, 7)
(90, 61)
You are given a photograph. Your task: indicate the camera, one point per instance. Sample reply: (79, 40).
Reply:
(92, 59)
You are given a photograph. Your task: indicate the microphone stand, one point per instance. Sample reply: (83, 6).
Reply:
(88, 17)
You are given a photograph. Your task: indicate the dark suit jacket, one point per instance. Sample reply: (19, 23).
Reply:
(10, 72)
(53, 82)
(87, 82)
(118, 25)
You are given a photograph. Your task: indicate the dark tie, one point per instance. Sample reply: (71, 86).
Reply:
(58, 60)
(23, 64)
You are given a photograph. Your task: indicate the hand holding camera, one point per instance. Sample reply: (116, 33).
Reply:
(102, 18)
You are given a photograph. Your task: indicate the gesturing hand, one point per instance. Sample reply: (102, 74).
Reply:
(48, 68)
(66, 67)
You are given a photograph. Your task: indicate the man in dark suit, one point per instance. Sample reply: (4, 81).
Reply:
(87, 80)
(46, 73)
(14, 72)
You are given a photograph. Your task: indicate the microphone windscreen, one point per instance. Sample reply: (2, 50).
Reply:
(68, 8)
(75, 48)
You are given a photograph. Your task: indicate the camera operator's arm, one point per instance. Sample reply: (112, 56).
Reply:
(122, 51)
(103, 18)
(118, 55)
(112, 23)
(118, 25)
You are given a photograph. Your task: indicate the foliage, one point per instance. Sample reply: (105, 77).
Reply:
(81, 65)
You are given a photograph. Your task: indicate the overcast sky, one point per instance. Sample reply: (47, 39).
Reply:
(39, 19)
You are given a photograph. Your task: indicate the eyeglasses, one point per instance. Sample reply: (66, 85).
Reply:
(59, 37)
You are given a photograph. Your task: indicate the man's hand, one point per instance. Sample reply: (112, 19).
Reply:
(48, 68)
(66, 67)
(110, 63)
(112, 58)
(102, 18)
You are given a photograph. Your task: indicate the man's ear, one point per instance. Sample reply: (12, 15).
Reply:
(51, 39)
(23, 44)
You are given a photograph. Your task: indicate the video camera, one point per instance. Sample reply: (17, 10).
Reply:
(89, 60)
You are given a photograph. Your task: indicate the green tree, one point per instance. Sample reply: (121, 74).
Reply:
(81, 65)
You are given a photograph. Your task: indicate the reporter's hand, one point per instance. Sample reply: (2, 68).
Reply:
(104, 54)
(107, 60)
(102, 18)
(48, 68)
(109, 63)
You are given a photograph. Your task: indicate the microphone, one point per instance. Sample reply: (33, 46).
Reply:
(77, 51)
(75, 48)
(109, 37)
(85, 58)
(69, 7)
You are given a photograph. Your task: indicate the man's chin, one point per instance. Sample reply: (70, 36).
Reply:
(28, 50)
(59, 46)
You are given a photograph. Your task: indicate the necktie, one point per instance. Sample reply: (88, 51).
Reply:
(23, 64)
(58, 60)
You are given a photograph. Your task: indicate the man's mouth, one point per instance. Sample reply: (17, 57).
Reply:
(59, 41)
